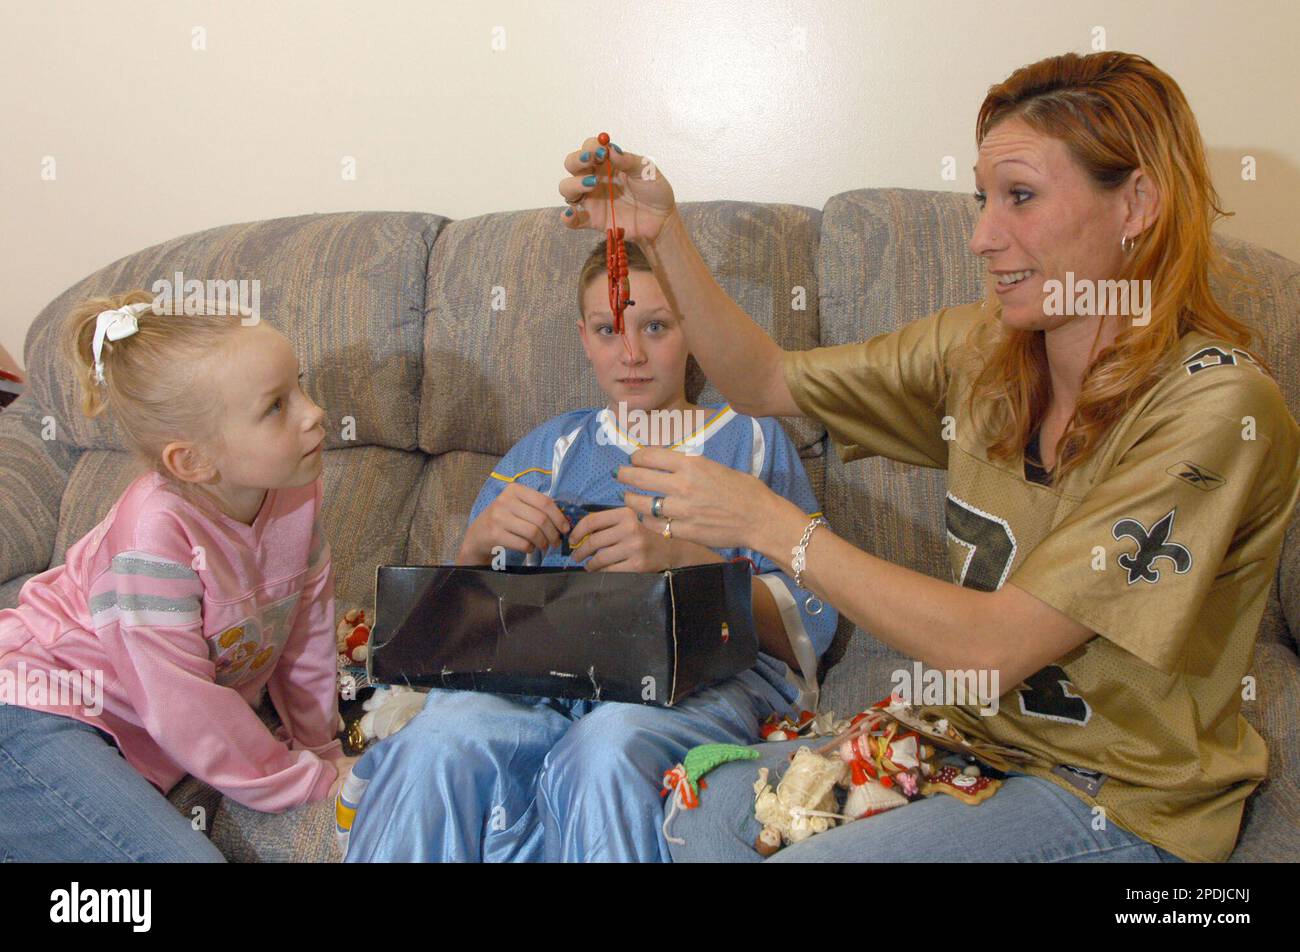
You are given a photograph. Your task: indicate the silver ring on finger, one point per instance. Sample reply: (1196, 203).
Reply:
(657, 507)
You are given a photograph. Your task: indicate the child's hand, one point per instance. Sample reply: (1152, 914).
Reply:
(615, 541)
(643, 199)
(520, 519)
(344, 767)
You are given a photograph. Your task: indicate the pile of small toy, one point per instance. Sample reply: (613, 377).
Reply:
(389, 707)
(352, 636)
(884, 758)
(807, 724)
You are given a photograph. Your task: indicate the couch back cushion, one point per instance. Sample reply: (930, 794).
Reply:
(1268, 302)
(887, 257)
(448, 486)
(347, 290)
(501, 349)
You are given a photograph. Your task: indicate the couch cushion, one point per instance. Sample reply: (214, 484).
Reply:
(35, 474)
(1269, 304)
(10, 590)
(493, 375)
(302, 835)
(1287, 590)
(891, 256)
(347, 289)
(447, 489)
(197, 802)
(370, 496)
(1271, 827)
(887, 257)
(887, 509)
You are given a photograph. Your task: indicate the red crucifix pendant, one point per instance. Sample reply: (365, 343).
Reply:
(620, 288)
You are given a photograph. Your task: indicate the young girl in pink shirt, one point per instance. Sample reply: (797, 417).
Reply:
(141, 658)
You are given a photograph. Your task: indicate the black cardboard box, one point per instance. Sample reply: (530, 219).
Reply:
(642, 637)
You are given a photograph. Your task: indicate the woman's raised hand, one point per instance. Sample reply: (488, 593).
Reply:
(643, 199)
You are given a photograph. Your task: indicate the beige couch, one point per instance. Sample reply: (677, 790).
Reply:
(392, 315)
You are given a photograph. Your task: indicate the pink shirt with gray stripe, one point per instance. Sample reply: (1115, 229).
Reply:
(183, 615)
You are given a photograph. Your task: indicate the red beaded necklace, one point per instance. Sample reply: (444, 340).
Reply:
(620, 288)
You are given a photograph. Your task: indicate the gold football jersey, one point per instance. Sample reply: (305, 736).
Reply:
(1165, 543)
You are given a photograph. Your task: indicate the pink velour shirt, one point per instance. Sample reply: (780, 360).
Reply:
(186, 614)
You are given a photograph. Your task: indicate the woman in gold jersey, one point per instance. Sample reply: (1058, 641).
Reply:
(1121, 472)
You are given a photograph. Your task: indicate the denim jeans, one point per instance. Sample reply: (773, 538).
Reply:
(68, 795)
(1027, 820)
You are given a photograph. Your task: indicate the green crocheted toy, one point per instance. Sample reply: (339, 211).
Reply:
(683, 781)
(700, 760)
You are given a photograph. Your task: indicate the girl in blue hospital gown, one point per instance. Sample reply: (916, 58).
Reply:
(478, 776)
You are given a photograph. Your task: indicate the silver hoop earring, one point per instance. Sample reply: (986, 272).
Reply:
(1126, 243)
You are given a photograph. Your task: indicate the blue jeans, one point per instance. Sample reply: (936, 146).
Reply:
(1028, 820)
(484, 777)
(68, 795)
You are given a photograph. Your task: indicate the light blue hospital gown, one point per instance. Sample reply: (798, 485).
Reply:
(478, 776)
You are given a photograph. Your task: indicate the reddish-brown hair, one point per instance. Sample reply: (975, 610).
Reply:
(1116, 113)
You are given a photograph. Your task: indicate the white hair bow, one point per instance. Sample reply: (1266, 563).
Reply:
(114, 325)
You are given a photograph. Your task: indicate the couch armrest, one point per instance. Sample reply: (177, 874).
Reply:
(1288, 580)
(33, 475)
(1269, 832)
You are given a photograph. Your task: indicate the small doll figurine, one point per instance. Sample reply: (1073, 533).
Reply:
(803, 803)
(353, 636)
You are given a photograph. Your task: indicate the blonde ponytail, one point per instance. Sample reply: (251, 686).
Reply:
(82, 322)
(155, 386)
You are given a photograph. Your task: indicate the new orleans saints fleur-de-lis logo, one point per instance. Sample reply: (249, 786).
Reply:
(1152, 546)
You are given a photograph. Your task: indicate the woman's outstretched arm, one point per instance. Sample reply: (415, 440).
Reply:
(737, 355)
(945, 625)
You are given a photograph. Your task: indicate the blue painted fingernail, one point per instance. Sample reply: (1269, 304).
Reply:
(614, 472)
(585, 157)
(600, 154)
(568, 213)
(589, 180)
(614, 146)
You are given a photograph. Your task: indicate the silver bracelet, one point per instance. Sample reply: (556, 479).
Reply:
(799, 561)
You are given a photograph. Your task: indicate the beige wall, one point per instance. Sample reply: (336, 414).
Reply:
(738, 99)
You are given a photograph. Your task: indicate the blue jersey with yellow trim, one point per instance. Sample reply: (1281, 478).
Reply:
(572, 456)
